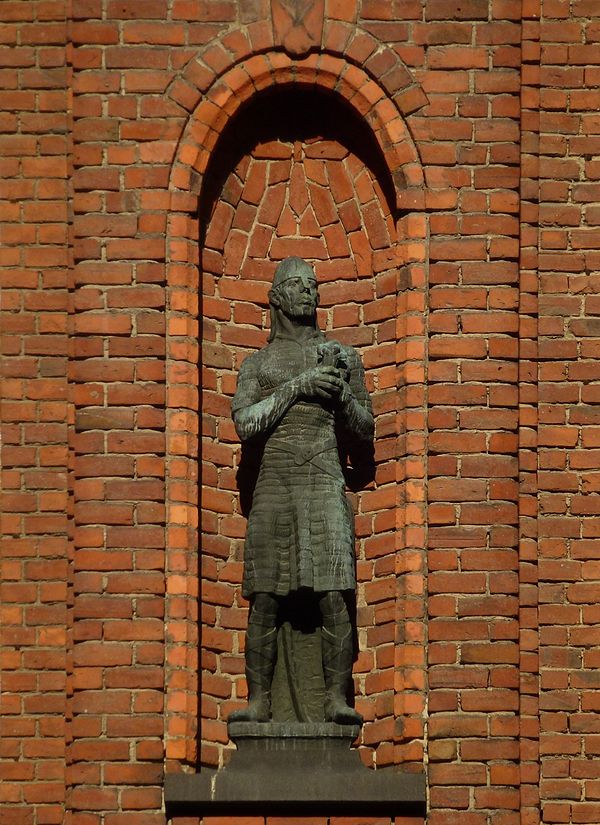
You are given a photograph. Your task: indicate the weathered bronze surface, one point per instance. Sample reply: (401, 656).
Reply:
(301, 409)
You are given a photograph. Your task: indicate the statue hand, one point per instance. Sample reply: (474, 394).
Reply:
(321, 382)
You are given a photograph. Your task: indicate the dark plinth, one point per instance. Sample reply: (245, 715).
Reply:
(304, 768)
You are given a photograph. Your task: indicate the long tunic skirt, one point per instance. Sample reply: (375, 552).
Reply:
(300, 529)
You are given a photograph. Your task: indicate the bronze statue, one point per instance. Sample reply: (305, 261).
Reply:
(304, 398)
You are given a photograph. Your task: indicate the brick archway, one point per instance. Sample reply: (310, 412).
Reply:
(342, 38)
(235, 87)
(222, 101)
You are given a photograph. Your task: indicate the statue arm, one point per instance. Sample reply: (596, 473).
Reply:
(354, 404)
(254, 416)
(251, 415)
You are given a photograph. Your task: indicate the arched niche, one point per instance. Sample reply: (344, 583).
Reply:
(295, 172)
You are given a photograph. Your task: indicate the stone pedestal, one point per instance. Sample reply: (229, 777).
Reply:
(299, 768)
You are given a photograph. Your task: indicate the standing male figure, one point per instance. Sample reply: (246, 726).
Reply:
(304, 397)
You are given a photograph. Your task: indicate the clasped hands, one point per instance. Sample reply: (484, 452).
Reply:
(322, 382)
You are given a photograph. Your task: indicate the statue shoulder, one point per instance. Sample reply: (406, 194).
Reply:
(252, 363)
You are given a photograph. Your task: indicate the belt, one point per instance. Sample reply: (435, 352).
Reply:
(304, 454)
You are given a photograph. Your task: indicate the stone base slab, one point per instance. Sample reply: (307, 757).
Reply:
(295, 768)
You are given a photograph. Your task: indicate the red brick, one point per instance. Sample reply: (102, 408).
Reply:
(478, 164)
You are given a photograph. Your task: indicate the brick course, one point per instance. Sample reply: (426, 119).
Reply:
(451, 207)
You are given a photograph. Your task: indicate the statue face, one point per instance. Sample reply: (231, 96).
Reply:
(297, 297)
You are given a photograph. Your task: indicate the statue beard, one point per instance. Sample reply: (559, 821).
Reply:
(302, 315)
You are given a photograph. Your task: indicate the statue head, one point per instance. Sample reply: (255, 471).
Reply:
(294, 294)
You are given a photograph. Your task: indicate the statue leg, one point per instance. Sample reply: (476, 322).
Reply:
(261, 652)
(336, 639)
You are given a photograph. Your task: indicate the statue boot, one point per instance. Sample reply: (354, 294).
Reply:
(261, 651)
(338, 652)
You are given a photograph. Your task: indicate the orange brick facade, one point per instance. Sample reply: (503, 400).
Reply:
(439, 163)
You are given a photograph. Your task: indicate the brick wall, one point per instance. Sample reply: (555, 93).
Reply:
(470, 136)
(36, 552)
(455, 185)
(568, 416)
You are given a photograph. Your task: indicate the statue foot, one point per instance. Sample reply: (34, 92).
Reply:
(336, 710)
(257, 710)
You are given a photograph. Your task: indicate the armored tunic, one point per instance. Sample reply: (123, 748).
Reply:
(301, 526)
